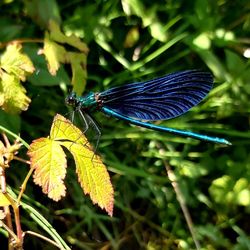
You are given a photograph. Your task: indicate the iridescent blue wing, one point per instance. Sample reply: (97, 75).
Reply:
(159, 99)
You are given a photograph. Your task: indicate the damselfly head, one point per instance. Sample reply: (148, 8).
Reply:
(71, 99)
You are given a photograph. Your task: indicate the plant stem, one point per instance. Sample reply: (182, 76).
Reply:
(24, 184)
(42, 237)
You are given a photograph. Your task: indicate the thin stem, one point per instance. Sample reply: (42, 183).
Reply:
(180, 198)
(14, 135)
(8, 226)
(18, 225)
(24, 40)
(42, 237)
(9, 230)
(19, 232)
(21, 160)
(6, 140)
(24, 184)
(2, 180)
(8, 218)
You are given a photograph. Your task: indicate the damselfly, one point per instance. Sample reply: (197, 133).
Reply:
(159, 99)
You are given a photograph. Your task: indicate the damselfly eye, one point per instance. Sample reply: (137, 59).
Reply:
(71, 99)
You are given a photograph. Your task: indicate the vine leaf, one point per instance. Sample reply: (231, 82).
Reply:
(55, 54)
(13, 61)
(49, 162)
(13, 97)
(15, 66)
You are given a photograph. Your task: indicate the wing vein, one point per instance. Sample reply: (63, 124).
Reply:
(159, 99)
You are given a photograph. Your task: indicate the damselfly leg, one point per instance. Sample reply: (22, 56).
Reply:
(90, 123)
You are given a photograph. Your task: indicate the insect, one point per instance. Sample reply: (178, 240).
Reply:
(159, 99)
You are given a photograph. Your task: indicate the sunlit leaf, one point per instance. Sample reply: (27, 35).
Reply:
(72, 40)
(49, 162)
(157, 31)
(137, 7)
(242, 193)
(12, 94)
(14, 62)
(202, 41)
(2, 152)
(62, 129)
(92, 173)
(132, 37)
(148, 16)
(3, 200)
(14, 68)
(54, 54)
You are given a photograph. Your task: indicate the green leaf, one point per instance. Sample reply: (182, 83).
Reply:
(226, 190)
(10, 29)
(72, 40)
(11, 122)
(221, 189)
(158, 31)
(43, 11)
(48, 160)
(148, 16)
(242, 193)
(42, 77)
(136, 7)
(79, 74)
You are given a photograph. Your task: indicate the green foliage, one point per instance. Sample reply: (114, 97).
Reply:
(44, 47)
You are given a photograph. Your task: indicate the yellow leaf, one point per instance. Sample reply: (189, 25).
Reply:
(14, 67)
(12, 94)
(3, 200)
(62, 129)
(54, 54)
(13, 61)
(49, 162)
(92, 173)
